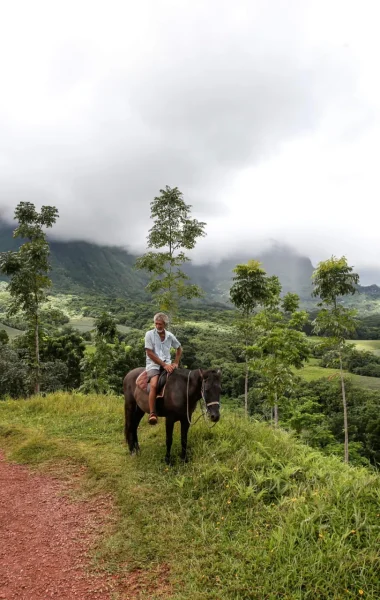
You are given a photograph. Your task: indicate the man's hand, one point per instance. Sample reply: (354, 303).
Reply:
(170, 368)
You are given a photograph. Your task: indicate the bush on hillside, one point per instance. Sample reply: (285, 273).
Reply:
(14, 378)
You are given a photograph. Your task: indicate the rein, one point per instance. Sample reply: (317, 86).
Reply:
(204, 399)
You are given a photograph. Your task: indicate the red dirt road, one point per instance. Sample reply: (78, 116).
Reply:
(44, 540)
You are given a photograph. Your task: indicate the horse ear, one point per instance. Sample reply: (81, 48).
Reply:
(218, 371)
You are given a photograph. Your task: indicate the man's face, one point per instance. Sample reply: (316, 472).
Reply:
(160, 325)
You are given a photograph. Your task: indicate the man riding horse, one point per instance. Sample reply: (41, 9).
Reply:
(158, 342)
(182, 391)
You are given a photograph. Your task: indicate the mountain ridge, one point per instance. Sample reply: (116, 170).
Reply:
(81, 266)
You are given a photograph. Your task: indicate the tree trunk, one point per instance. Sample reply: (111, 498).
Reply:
(37, 372)
(345, 420)
(246, 389)
(276, 413)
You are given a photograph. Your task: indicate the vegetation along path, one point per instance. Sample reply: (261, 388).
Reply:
(254, 515)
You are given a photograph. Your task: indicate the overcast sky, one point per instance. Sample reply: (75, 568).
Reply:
(265, 113)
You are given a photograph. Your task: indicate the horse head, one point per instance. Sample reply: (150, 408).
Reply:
(211, 388)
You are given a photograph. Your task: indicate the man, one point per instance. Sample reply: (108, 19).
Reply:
(158, 342)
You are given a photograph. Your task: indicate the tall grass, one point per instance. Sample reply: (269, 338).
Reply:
(254, 514)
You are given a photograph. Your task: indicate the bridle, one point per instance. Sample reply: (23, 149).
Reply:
(203, 394)
(204, 398)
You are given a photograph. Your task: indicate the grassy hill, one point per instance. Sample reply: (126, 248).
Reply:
(254, 515)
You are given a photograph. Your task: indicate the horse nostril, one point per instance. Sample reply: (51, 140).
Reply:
(215, 418)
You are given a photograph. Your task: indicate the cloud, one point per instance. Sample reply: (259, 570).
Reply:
(253, 109)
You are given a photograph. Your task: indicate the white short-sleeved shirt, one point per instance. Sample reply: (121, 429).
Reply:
(161, 349)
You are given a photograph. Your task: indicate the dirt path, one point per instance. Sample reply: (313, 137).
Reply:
(44, 540)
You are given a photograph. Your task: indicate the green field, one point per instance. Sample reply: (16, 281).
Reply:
(369, 345)
(11, 331)
(254, 515)
(312, 371)
(82, 324)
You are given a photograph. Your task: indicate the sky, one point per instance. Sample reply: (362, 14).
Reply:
(264, 113)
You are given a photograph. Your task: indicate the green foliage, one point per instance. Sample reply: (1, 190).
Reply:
(333, 278)
(172, 233)
(250, 287)
(337, 323)
(280, 346)
(106, 327)
(97, 370)
(14, 373)
(67, 348)
(104, 369)
(51, 317)
(364, 424)
(254, 514)
(27, 269)
(355, 361)
(4, 337)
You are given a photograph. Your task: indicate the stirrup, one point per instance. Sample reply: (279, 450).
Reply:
(152, 419)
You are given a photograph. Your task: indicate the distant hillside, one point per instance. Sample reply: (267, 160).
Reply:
(84, 267)
(293, 270)
(80, 267)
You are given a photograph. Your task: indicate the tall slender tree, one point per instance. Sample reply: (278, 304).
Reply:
(251, 287)
(28, 272)
(173, 232)
(333, 279)
(280, 346)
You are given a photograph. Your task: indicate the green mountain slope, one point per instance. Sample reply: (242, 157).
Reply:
(294, 271)
(84, 267)
(80, 267)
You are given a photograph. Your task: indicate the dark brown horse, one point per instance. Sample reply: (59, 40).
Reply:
(182, 391)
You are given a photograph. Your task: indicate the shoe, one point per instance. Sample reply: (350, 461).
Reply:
(152, 419)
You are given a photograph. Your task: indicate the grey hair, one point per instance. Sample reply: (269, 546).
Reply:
(162, 317)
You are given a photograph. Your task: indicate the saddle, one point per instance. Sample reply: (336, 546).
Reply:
(142, 383)
(161, 384)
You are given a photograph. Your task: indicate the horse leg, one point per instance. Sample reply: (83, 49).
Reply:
(137, 416)
(169, 438)
(184, 431)
(129, 409)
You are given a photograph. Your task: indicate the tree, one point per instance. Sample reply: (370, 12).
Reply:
(104, 369)
(4, 337)
(14, 381)
(173, 232)
(332, 279)
(106, 327)
(27, 269)
(251, 287)
(97, 366)
(68, 347)
(281, 346)
(53, 317)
